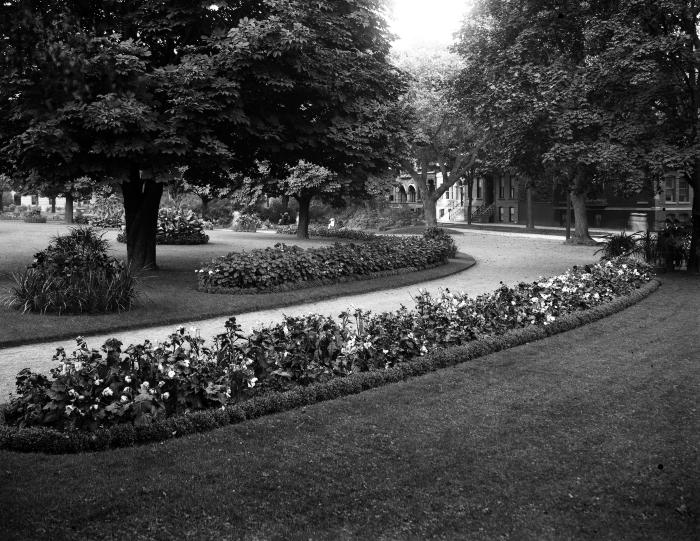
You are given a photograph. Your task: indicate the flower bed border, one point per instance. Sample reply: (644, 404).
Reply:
(305, 284)
(47, 440)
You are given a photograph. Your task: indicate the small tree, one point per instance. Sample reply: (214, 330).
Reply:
(304, 182)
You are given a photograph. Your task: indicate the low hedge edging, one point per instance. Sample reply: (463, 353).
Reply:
(49, 440)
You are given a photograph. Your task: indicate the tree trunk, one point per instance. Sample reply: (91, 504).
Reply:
(2, 207)
(53, 205)
(285, 203)
(429, 211)
(304, 201)
(530, 213)
(578, 201)
(694, 253)
(205, 207)
(68, 211)
(470, 199)
(141, 203)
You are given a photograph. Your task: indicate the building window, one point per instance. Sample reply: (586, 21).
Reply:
(442, 213)
(511, 194)
(35, 200)
(511, 214)
(501, 188)
(501, 212)
(670, 189)
(683, 191)
(479, 188)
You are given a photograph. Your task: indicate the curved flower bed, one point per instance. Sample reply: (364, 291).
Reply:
(321, 231)
(263, 270)
(153, 392)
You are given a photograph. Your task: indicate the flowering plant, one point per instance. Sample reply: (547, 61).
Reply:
(92, 389)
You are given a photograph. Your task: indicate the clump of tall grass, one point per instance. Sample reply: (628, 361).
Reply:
(74, 275)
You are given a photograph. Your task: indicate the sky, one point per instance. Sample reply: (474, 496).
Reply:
(418, 22)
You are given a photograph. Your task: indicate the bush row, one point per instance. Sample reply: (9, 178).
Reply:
(320, 231)
(262, 270)
(48, 440)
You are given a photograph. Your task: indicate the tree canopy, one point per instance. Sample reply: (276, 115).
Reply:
(127, 92)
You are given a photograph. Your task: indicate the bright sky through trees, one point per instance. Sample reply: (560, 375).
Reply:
(418, 22)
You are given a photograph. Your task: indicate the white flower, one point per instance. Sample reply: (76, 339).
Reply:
(160, 367)
(171, 373)
(127, 379)
(385, 351)
(98, 381)
(161, 383)
(81, 397)
(72, 393)
(69, 409)
(95, 407)
(107, 392)
(165, 395)
(145, 385)
(125, 398)
(251, 382)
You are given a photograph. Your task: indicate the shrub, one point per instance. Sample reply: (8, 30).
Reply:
(34, 216)
(616, 245)
(107, 211)
(245, 222)
(146, 383)
(441, 235)
(271, 267)
(74, 275)
(177, 226)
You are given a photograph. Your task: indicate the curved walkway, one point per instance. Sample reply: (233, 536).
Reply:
(505, 257)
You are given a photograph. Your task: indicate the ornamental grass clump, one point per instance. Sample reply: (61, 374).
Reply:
(91, 390)
(74, 275)
(261, 270)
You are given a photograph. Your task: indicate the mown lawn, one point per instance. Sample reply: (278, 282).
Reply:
(168, 295)
(591, 434)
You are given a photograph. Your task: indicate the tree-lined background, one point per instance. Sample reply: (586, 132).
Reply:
(305, 100)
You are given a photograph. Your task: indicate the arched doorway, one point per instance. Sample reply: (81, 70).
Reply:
(411, 194)
(402, 195)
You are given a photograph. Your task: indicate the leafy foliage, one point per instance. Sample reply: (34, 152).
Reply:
(334, 232)
(107, 211)
(74, 275)
(177, 226)
(245, 222)
(271, 267)
(90, 390)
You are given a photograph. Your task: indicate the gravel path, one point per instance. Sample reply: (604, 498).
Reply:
(505, 257)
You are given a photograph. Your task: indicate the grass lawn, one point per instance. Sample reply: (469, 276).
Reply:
(170, 294)
(590, 434)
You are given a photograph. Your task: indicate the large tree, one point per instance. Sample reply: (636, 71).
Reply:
(434, 135)
(647, 64)
(528, 77)
(128, 92)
